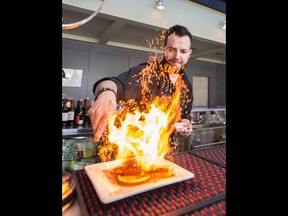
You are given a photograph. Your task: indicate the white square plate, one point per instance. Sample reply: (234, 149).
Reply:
(109, 192)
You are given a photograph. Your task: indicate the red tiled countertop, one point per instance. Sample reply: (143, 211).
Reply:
(215, 154)
(205, 194)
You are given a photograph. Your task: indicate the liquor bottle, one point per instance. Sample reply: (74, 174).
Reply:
(71, 113)
(79, 113)
(64, 113)
(86, 107)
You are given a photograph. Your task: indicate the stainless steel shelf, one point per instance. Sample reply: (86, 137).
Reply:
(79, 131)
(204, 127)
(209, 144)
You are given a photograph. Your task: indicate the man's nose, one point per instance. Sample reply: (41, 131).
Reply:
(177, 54)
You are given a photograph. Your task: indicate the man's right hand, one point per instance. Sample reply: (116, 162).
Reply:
(100, 111)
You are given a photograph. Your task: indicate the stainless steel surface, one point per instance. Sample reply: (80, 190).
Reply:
(207, 125)
(76, 132)
(210, 134)
(196, 116)
(207, 117)
(219, 119)
(209, 144)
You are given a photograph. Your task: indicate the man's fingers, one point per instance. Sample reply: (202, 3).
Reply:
(101, 127)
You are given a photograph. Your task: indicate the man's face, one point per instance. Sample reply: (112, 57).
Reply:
(177, 51)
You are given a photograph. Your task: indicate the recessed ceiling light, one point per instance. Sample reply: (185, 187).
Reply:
(160, 4)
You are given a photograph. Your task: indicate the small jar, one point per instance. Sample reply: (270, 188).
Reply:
(84, 148)
(79, 143)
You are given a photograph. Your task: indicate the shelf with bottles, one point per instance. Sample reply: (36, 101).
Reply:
(75, 115)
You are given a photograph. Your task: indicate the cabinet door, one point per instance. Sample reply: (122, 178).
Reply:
(200, 90)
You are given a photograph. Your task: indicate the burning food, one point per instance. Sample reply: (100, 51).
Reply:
(133, 179)
(131, 173)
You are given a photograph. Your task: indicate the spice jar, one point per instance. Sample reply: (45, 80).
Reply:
(84, 148)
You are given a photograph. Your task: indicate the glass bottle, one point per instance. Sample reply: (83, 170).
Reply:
(71, 113)
(64, 113)
(79, 113)
(86, 106)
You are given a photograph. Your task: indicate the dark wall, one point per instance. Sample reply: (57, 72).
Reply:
(98, 61)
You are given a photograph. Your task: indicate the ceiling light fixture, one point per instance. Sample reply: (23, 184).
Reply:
(160, 4)
(223, 24)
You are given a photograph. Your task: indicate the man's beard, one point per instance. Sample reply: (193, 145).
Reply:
(164, 61)
(171, 68)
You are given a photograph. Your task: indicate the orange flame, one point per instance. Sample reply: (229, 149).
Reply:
(144, 130)
(135, 131)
